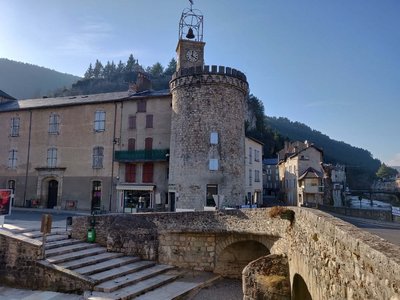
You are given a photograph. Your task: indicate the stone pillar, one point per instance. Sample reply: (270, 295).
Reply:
(267, 278)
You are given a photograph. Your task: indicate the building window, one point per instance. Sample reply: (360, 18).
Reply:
(213, 164)
(250, 177)
(131, 144)
(100, 121)
(132, 122)
(52, 157)
(98, 154)
(54, 123)
(269, 178)
(211, 189)
(214, 138)
(130, 173)
(256, 155)
(149, 121)
(148, 144)
(256, 175)
(141, 106)
(250, 155)
(96, 195)
(148, 169)
(14, 126)
(12, 159)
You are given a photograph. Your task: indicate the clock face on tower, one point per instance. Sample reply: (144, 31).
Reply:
(192, 55)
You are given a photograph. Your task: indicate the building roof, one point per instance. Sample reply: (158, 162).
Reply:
(310, 173)
(270, 161)
(5, 95)
(78, 100)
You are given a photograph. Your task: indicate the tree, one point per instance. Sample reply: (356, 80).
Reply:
(171, 69)
(385, 172)
(98, 69)
(130, 64)
(120, 68)
(89, 72)
(156, 70)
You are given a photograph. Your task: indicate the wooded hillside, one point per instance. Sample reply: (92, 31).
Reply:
(23, 81)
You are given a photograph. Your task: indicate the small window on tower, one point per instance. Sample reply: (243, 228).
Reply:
(213, 164)
(214, 138)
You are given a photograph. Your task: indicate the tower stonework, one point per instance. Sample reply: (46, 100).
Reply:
(207, 147)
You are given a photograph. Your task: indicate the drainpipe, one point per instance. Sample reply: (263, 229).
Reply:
(114, 141)
(28, 156)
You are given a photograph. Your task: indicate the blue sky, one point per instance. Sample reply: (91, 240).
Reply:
(333, 65)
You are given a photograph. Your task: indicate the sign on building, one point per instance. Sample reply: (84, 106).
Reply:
(395, 211)
(5, 202)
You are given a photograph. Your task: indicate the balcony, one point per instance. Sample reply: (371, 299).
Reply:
(142, 155)
(312, 189)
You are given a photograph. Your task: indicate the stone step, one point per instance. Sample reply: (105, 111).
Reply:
(76, 255)
(53, 238)
(186, 285)
(90, 260)
(106, 265)
(110, 274)
(61, 243)
(137, 277)
(134, 290)
(69, 248)
(37, 234)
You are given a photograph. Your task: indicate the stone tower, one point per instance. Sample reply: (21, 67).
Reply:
(207, 152)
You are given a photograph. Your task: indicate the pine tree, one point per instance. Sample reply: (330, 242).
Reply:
(171, 69)
(98, 69)
(130, 64)
(120, 68)
(156, 70)
(89, 72)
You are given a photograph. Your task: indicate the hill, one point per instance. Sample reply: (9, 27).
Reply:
(23, 81)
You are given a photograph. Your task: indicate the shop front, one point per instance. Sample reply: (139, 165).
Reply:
(134, 198)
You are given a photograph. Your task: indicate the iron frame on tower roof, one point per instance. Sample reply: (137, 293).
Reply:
(191, 19)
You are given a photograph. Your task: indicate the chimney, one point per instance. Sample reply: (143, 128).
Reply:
(143, 83)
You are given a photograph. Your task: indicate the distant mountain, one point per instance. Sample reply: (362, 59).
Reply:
(24, 81)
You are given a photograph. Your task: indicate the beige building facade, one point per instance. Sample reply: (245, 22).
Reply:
(301, 174)
(254, 172)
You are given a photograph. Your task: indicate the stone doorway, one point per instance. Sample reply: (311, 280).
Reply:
(52, 193)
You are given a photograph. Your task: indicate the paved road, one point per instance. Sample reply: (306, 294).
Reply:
(31, 218)
(386, 230)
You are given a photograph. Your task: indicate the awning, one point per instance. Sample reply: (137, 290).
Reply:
(134, 187)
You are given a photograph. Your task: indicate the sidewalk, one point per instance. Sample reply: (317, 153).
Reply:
(7, 293)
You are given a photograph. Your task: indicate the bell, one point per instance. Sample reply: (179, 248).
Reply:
(190, 34)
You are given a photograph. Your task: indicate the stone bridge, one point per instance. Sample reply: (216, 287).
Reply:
(313, 256)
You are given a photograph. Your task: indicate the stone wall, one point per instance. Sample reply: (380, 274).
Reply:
(18, 256)
(374, 214)
(339, 261)
(20, 266)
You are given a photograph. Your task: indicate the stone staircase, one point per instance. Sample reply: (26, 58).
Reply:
(116, 276)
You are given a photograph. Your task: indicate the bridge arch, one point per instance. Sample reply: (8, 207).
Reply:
(300, 289)
(233, 252)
